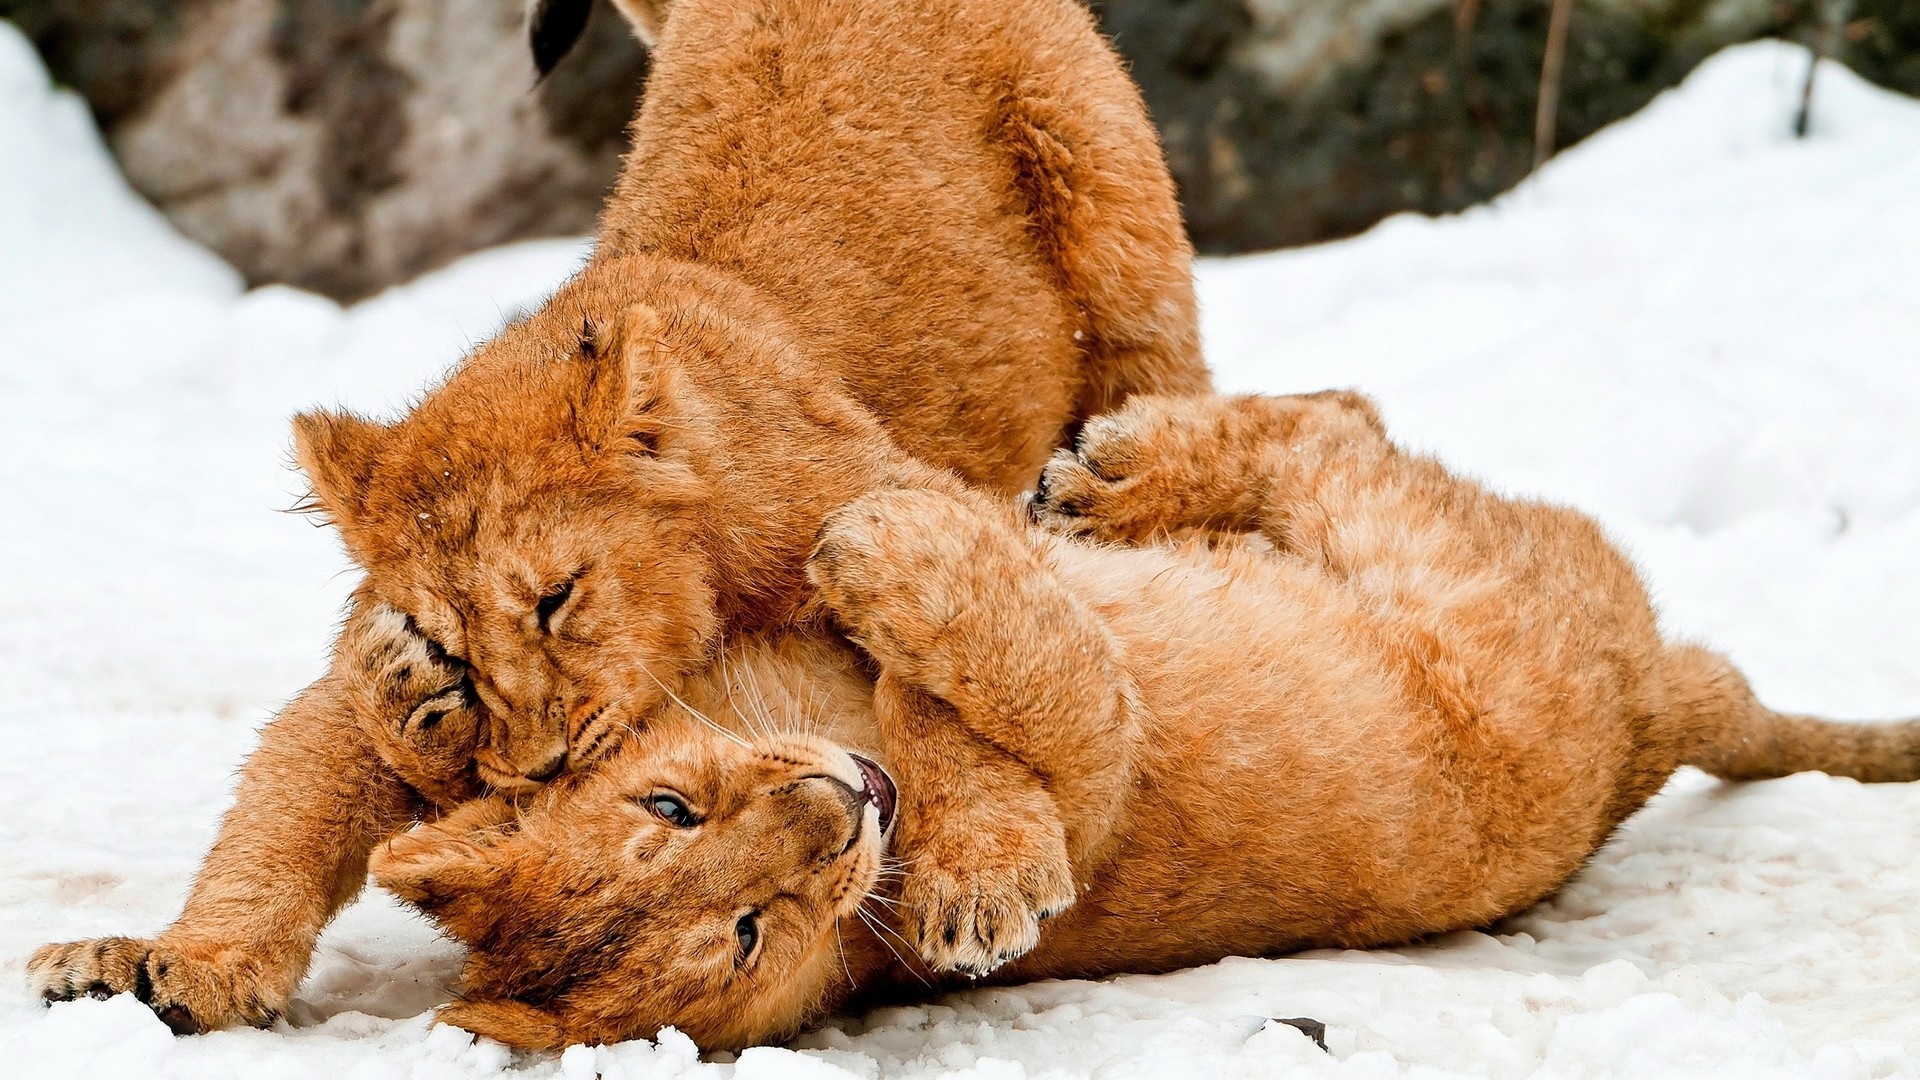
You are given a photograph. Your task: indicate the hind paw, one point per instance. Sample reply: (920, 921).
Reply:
(1148, 470)
(1159, 466)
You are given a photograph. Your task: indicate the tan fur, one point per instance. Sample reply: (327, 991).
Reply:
(858, 243)
(1410, 706)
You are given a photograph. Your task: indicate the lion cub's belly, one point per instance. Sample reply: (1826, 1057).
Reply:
(1291, 793)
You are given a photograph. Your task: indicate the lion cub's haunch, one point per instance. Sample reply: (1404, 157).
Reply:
(858, 243)
(1417, 707)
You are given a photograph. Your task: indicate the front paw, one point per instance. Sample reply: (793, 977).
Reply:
(897, 568)
(189, 993)
(975, 900)
(98, 968)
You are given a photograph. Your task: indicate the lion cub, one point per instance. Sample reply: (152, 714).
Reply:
(1416, 707)
(858, 244)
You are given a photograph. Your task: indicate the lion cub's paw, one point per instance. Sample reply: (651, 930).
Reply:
(897, 567)
(1160, 465)
(1147, 470)
(972, 916)
(99, 968)
(189, 995)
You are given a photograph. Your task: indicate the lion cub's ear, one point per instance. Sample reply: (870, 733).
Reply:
(440, 868)
(512, 1022)
(337, 451)
(631, 399)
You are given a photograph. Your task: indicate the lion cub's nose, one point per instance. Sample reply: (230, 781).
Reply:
(548, 770)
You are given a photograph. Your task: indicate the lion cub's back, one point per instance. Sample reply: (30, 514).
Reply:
(840, 155)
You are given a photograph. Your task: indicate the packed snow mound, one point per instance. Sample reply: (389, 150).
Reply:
(1692, 325)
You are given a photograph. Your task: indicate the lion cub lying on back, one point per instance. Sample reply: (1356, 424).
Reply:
(1422, 709)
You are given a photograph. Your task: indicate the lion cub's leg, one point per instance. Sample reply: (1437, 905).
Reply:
(1088, 163)
(1105, 214)
(1316, 475)
(313, 799)
(1003, 706)
(1164, 465)
(984, 852)
(292, 849)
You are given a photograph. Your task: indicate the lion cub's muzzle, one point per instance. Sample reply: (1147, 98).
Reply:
(516, 763)
(818, 819)
(825, 815)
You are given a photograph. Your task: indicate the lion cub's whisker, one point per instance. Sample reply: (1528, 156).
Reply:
(816, 715)
(695, 713)
(739, 696)
(757, 701)
(840, 944)
(881, 931)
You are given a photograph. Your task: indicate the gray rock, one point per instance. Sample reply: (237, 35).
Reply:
(344, 145)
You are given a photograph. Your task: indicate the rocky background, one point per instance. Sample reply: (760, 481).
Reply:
(345, 145)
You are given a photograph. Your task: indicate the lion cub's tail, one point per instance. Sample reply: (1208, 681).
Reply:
(1727, 732)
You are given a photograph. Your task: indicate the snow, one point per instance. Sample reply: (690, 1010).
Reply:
(1691, 325)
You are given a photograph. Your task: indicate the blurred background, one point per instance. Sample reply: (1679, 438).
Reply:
(347, 145)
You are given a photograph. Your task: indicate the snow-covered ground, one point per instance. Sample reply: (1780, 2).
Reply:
(1702, 331)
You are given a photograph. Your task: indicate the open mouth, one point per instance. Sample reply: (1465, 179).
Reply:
(879, 789)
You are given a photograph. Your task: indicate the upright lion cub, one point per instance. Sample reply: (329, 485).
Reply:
(1418, 707)
(857, 244)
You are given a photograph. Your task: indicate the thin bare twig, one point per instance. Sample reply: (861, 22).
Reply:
(1546, 117)
(1825, 43)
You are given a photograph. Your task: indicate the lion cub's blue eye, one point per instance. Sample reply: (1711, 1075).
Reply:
(748, 930)
(670, 809)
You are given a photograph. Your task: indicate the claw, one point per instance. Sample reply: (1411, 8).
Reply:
(1039, 493)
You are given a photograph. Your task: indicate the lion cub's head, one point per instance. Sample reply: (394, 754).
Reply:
(537, 518)
(696, 880)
